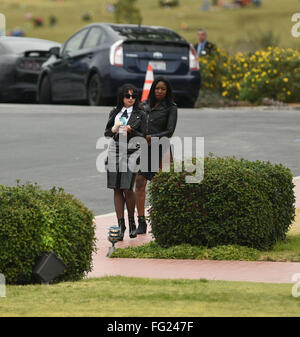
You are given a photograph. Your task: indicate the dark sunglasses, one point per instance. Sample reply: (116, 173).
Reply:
(134, 96)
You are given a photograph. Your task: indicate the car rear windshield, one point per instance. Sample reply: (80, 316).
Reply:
(19, 46)
(142, 33)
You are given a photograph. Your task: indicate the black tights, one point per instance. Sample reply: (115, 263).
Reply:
(120, 198)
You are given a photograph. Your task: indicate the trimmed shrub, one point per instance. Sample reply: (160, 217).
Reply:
(33, 221)
(238, 202)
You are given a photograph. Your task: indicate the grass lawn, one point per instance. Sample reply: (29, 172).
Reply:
(121, 296)
(229, 29)
(127, 297)
(289, 250)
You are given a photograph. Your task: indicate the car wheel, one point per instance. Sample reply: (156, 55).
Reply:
(189, 103)
(95, 91)
(45, 91)
(185, 102)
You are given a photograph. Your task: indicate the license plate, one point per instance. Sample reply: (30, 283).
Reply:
(158, 65)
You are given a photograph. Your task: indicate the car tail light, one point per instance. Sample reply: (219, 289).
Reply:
(194, 64)
(116, 54)
(34, 65)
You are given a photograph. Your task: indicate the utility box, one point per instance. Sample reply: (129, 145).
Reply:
(48, 267)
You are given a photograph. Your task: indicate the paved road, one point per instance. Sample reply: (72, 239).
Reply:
(56, 145)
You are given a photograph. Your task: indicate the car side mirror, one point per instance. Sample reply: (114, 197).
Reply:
(55, 51)
(65, 54)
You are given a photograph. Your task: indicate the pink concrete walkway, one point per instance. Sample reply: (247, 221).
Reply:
(271, 272)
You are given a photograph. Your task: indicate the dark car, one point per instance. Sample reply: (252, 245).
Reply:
(21, 59)
(100, 57)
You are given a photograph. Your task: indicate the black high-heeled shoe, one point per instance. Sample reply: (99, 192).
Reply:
(132, 228)
(142, 228)
(121, 224)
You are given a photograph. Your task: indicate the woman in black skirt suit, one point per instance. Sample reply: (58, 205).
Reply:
(161, 120)
(126, 120)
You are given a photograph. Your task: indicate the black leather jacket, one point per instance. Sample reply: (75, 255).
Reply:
(161, 121)
(137, 122)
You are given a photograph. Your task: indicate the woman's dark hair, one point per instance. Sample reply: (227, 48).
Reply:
(169, 96)
(122, 91)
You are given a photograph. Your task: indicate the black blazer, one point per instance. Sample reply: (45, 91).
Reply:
(208, 47)
(161, 121)
(137, 122)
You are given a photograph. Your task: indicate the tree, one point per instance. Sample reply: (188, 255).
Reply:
(126, 11)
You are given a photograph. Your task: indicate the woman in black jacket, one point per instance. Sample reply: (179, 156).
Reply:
(161, 119)
(127, 119)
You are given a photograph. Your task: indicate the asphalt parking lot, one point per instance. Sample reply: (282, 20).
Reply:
(55, 145)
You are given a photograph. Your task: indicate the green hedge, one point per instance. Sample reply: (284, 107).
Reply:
(238, 202)
(33, 221)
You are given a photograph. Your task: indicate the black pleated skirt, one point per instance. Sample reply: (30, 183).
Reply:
(116, 163)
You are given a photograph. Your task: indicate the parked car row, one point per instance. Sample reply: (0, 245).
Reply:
(100, 57)
(21, 59)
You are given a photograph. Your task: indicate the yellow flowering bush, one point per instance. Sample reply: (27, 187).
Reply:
(212, 69)
(272, 72)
